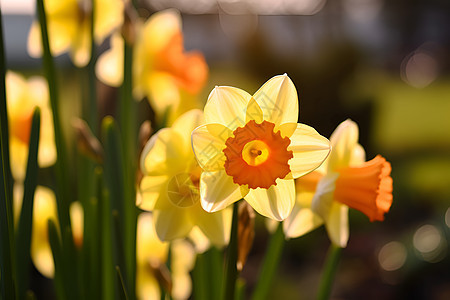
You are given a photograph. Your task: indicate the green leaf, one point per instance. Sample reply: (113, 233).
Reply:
(122, 288)
(231, 272)
(23, 237)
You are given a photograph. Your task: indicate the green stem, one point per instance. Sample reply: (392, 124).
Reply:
(270, 264)
(7, 288)
(231, 272)
(329, 272)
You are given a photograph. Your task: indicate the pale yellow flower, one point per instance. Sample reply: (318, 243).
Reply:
(152, 254)
(22, 98)
(162, 71)
(344, 180)
(252, 147)
(68, 23)
(170, 184)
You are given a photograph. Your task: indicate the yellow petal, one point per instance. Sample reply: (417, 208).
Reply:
(217, 191)
(147, 243)
(253, 112)
(108, 17)
(183, 261)
(227, 106)
(109, 66)
(81, 45)
(208, 148)
(147, 287)
(337, 224)
(310, 149)
(216, 226)
(162, 90)
(302, 219)
(275, 202)
(151, 187)
(343, 141)
(278, 100)
(185, 124)
(77, 222)
(358, 156)
(200, 241)
(163, 154)
(44, 208)
(171, 222)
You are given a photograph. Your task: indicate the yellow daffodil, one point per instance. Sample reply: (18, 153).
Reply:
(169, 187)
(151, 257)
(344, 180)
(22, 97)
(162, 71)
(252, 147)
(44, 209)
(68, 23)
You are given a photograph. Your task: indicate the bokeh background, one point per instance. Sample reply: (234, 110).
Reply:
(384, 64)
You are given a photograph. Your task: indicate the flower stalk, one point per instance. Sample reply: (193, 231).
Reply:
(329, 272)
(231, 272)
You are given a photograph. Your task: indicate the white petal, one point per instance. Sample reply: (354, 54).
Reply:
(208, 148)
(278, 100)
(324, 196)
(218, 190)
(302, 219)
(227, 105)
(337, 224)
(275, 202)
(343, 140)
(310, 149)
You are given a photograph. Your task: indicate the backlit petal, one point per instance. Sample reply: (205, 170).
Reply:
(171, 222)
(208, 148)
(218, 190)
(275, 202)
(185, 124)
(324, 195)
(343, 141)
(337, 224)
(227, 106)
(163, 153)
(253, 112)
(310, 149)
(150, 189)
(302, 219)
(278, 100)
(109, 66)
(216, 226)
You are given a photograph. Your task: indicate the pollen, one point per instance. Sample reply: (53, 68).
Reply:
(256, 155)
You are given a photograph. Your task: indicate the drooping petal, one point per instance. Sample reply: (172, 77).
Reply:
(171, 222)
(278, 100)
(151, 187)
(310, 149)
(337, 224)
(324, 196)
(343, 141)
(275, 202)
(163, 153)
(218, 190)
(109, 66)
(185, 124)
(216, 226)
(208, 147)
(227, 106)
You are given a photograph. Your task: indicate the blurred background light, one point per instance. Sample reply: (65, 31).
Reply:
(17, 6)
(419, 69)
(392, 256)
(362, 10)
(430, 243)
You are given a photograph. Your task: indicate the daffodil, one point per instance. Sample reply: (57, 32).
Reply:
(68, 23)
(344, 180)
(252, 147)
(151, 257)
(162, 71)
(44, 209)
(169, 187)
(22, 97)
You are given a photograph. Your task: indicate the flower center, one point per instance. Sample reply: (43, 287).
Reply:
(256, 155)
(182, 190)
(255, 152)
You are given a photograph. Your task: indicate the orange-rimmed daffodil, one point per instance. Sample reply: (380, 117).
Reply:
(22, 98)
(252, 147)
(151, 257)
(169, 186)
(68, 24)
(344, 180)
(162, 71)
